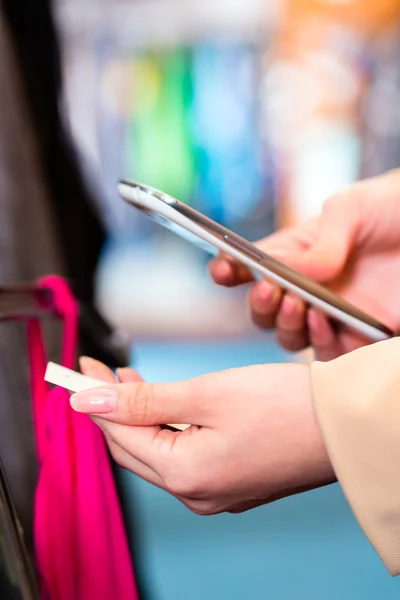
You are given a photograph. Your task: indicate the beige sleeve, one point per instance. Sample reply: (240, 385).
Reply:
(357, 402)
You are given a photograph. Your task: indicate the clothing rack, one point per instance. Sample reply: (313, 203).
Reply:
(17, 579)
(24, 301)
(20, 303)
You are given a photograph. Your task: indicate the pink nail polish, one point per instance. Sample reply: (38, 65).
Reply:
(95, 402)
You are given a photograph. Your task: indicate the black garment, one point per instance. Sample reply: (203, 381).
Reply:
(80, 231)
(48, 223)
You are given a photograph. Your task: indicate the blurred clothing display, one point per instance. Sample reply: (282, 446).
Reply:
(227, 142)
(48, 223)
(380, 109)
(182, 114)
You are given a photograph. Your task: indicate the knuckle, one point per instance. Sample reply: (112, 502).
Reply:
(350, 194)
(339, 197)
(202, 510)
(291, 342)
(107, 430)
(185, 484)
(331, 202)
(263, 321)
(117, 454)
(182, 487)
(321, 345)
(290, 326)
(202, 506)
(335, 204)
(140, 403)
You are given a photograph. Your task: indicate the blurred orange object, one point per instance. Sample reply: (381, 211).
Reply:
(363, 15)
(318, 81)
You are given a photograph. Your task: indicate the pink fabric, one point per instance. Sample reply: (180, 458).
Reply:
(80, 543)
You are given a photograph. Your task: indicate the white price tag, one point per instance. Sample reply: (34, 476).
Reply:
(76, 382)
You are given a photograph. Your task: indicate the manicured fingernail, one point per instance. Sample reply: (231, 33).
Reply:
(264, 291)
(100, 401)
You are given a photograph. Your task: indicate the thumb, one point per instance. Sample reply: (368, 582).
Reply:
(326, 258)
(146, 404)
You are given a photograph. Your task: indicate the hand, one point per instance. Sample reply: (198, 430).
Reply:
(353, 248)
(254, 436)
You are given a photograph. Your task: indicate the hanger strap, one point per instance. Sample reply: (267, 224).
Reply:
(65, 307)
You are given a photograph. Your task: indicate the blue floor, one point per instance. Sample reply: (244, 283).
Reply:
(308, 546)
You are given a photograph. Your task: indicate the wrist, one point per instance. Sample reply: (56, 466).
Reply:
(304, 461)
(318, 466)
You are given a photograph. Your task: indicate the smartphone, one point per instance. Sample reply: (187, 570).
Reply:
(214, 238)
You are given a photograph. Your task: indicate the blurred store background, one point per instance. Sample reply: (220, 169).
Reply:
(254, 112)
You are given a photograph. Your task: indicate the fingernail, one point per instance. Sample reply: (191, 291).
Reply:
(87, 364)
(121, 371)
(95, 402)
(264, 291)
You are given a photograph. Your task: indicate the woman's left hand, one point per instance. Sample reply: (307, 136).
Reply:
(254, 436)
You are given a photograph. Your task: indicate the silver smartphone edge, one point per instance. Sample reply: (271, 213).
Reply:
(149, 199)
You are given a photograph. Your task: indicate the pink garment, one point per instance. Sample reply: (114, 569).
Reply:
(80, 544)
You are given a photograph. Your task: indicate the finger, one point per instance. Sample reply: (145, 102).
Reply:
(127, 455)
(124, 460)
(224, 270)
(145, 404)
(128, 462)
(264, 300)
(96, 369)
(127, 375)
(227, 272)
(291, 324)
(322, 336)
(339, 228)
(141, 443)
(245, 506)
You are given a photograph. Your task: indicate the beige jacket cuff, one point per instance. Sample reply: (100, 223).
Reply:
(357, 403)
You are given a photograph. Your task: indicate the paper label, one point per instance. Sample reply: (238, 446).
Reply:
(76, 382)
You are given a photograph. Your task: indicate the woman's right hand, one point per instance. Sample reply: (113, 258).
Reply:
(353, 248)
